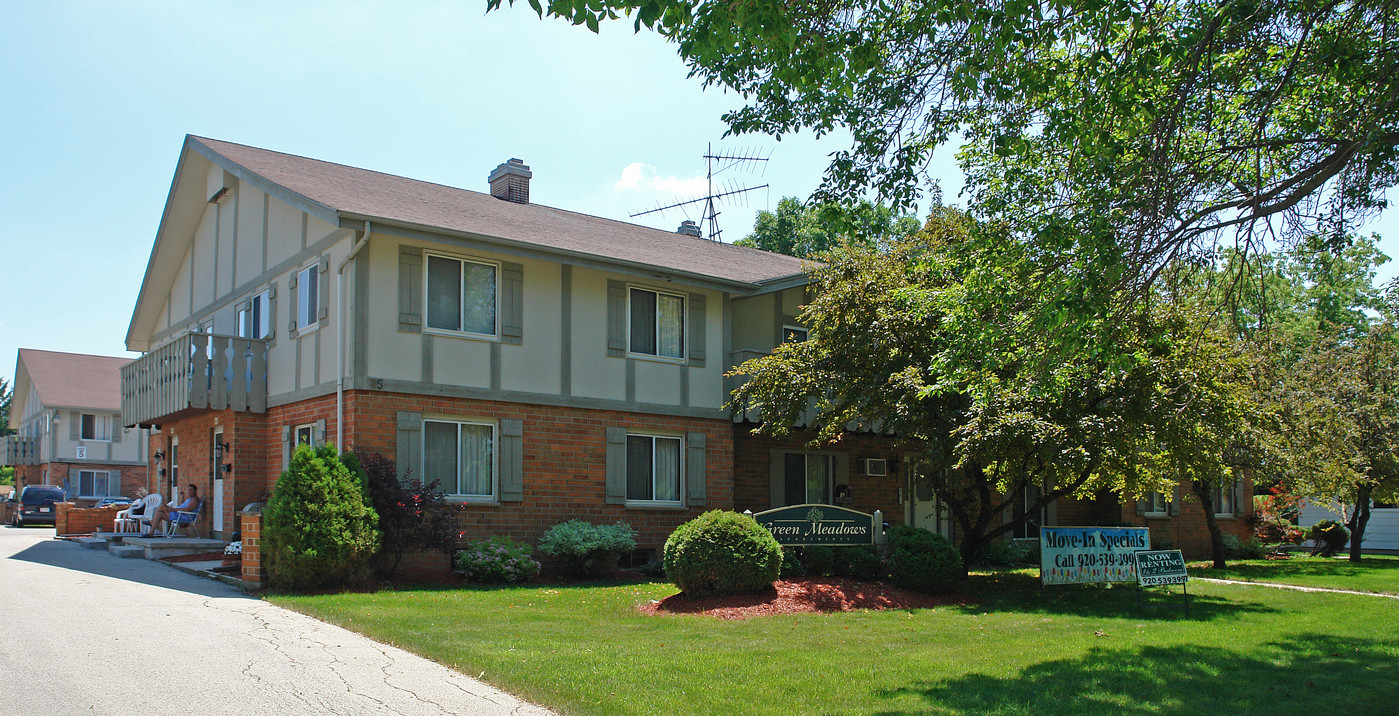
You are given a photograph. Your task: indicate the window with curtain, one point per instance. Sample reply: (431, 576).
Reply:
(461, 295)
(95, 427)
(657, 323)
(255, 320)
(1224, 499)
(1155, 504)
(653, 468)
(460, 456)
(96, 483)
(807, 478)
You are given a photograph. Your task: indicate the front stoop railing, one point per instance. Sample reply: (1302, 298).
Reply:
(15, 450)
(198, 371)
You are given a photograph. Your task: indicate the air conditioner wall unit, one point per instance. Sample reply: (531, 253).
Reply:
(874, 467)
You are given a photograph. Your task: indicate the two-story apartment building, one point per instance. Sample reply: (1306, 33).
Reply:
(65, 410)
(540, 364)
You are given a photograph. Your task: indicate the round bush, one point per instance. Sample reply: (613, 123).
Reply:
(922, 561)
(722, 552)
(317, 529)
(496, 560)
(1328, 537)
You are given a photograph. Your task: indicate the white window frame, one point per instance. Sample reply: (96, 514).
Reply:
(309, 430)
(1153, 499)
(680, 470)
(308, 298)
(461, 297)
(684, 332)
(258, 314)
(788, 330)
(108, 481)
(830, 459)
(101, 425)
(1029, 495)
(450, 490)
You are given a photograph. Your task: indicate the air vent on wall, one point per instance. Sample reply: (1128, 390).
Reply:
(874, 467)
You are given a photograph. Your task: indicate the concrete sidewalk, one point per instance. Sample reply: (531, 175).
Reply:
(85, 631)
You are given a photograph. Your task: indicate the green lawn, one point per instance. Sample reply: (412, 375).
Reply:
(1372, 574)
(1022, 649)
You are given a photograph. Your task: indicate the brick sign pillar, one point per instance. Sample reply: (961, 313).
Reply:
(252, 552)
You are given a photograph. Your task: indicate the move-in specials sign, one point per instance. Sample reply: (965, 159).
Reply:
(1079, 555)
(1164, 566)
(809, 525)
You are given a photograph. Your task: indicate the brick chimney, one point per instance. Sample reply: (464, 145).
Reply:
(689, 228)
(510, 181)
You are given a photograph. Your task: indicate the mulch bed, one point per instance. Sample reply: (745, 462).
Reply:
(799, 596)
(202, 557)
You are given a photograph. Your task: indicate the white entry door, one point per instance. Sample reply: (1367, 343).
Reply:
(218, 473)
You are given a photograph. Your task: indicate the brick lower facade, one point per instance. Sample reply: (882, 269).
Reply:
(54, 473)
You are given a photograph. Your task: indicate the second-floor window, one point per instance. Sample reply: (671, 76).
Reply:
(95, 427)
(657, 323)
(308, 296)
(461, 295)
(254, 321)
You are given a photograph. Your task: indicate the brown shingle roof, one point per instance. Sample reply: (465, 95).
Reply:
(363, 194)
(74, 380)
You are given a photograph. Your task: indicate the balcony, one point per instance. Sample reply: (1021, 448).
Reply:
(15, 450)
(197, 371)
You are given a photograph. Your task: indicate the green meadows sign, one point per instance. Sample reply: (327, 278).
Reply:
(810, 525)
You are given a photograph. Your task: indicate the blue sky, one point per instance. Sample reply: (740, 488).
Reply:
(96, 97)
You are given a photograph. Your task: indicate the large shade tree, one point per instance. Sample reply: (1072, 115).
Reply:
(805, 230)
(938, 341)
(1128, 133)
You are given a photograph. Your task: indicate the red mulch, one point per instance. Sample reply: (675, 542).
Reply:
(809, 595)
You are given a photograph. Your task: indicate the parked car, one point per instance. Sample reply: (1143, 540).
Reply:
(36, 504)
(113, 501)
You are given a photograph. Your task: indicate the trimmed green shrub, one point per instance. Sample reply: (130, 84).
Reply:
(922, 561)
(496, 560)
(722, 552)
(587, 549)
(1004, 552)
(860, 562)
(317, 529)
(792, 565)
(1328, 537)
(821, 561)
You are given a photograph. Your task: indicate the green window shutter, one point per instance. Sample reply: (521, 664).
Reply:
(616, 466)
(318, 434)
(616, 318)
(295, 303)
(1141, 506)
(1173, 507)
(323, 288)
(75, 426)
(698, 320)
(410, 443)
(695, 469)
(512, 460)
(512, 299)
(271, 313)
(410, 289)
(777, 476)
(286, 447)
(1238, 490)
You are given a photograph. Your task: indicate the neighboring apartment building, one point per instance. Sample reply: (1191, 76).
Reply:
(541, 364)
(65, 410)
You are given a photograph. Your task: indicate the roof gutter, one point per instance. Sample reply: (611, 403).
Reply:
(340, 337)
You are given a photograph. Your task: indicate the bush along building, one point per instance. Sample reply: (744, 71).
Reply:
(65, 411)
(541, 364)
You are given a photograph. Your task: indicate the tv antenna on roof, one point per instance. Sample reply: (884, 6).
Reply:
(744, 160)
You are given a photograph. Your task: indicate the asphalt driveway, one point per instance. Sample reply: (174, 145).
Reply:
(82, 631)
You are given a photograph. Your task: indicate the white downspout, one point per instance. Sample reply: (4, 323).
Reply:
(340, 339)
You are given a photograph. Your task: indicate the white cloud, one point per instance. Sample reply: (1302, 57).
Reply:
(639, 176)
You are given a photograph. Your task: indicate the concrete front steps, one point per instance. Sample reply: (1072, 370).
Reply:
(132, 545)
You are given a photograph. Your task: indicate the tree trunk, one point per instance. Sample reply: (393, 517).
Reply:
(1203, 492)
(1359, 518)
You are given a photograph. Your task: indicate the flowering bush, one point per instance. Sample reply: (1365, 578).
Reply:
(1274, 515)
(496, 560)
(588, 549)
(234, 548)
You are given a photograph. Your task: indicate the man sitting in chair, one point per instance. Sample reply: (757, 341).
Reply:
(165, 513)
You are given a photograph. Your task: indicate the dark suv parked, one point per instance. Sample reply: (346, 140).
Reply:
(35, 504)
